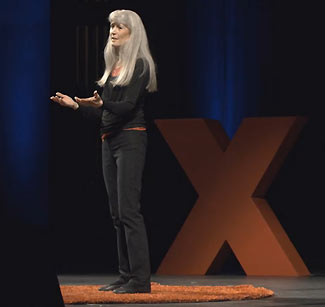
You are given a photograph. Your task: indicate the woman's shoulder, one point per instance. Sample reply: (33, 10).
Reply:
(140, 62)
(141, 66)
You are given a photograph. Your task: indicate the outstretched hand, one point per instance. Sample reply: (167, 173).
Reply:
(94, 101)
(64, 100)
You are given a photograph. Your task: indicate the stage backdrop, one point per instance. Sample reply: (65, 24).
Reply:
(226, 60)
(24, 135)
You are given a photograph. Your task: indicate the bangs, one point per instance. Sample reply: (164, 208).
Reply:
(120, 17)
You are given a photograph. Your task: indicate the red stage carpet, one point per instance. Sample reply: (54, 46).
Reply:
(164, 294)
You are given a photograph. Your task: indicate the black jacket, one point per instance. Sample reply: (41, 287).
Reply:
(123, 106)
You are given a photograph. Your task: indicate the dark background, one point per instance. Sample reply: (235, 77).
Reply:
(221, 59)
(216, 59)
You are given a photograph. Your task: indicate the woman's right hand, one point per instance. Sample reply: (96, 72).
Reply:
(94, 101)
(64, 100)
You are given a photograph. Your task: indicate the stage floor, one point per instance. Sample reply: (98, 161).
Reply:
(289, 291)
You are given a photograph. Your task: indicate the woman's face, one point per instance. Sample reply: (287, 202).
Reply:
(119, 34)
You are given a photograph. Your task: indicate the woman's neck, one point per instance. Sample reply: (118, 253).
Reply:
(116, 70)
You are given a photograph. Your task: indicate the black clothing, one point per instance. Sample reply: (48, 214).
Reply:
(123, 106)
(123, 157)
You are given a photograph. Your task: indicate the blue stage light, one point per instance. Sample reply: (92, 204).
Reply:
(227, 51)
(25, 62)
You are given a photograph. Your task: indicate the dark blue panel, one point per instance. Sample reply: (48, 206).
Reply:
(24, 108)
(228, 46)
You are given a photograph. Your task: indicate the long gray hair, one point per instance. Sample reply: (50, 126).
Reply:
(134, 48)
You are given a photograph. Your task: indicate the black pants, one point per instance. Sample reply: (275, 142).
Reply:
(123, 157)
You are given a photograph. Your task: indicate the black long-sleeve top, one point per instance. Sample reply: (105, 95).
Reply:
(123, 106)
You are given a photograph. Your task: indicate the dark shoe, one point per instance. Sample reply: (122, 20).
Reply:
(114, 285)
(133, 288)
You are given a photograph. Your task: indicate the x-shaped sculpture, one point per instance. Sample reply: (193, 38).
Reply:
(231, 179)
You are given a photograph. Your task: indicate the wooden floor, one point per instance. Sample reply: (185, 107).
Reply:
(289, 291)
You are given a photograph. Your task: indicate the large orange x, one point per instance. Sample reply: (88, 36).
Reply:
(231, 179)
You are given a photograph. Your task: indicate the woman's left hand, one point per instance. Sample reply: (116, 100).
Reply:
(95, 101)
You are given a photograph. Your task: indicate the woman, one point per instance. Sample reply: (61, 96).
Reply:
(129, 75)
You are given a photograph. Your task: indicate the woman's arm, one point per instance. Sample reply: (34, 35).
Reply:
(94, 101)
(132, 92)
(90, 108)
(64, 100)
